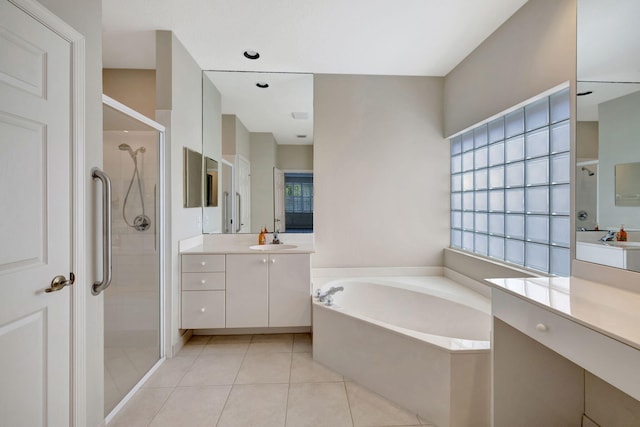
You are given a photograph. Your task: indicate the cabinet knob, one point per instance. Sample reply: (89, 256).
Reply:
(264, 260)
(202, 310)
(273, 261)
(203, 281)
(203, 263)
(542, 327)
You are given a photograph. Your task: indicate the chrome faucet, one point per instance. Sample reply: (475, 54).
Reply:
(326, 296)
(609, 236)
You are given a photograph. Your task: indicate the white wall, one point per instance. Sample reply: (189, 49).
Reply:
(381, 171)
(619, 127)
(535, 50)
(179, 99)
(263, 160)
(86, 18)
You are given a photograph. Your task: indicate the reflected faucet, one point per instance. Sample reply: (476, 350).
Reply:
(611, 235)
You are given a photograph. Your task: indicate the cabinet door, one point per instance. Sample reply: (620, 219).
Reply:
(247, 291)
(202, 309)
(289, 290)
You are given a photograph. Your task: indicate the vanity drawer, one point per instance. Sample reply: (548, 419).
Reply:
(202, 263)
(613, 361)
(203, 281)
(203, 309)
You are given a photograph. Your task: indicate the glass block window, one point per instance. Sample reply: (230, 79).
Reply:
(510, 187)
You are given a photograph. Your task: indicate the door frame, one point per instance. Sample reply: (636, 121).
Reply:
(79, 342)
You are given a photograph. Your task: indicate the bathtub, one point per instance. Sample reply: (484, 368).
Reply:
(422, 342)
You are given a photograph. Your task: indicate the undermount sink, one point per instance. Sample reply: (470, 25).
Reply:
(271, 247)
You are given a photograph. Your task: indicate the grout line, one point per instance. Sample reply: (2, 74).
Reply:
(344, 384)
(161, 406)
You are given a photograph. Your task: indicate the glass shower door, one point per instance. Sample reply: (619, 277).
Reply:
(132, 316)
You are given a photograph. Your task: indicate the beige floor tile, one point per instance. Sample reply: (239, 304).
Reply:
(192, 350)
(318, 405)
(272, 337)
(199, 340)
(271, 343)
(192, 406)
(369, 409)
(230, 338)
(225, 348)
(302, 343)
(265, 368)
(218, 369)
(305, 370)
(424, 422)
(141, 408)
(170, 372)
(251, 405)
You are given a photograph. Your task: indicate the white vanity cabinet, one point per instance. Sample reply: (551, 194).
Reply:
(203, 291)
(268, 290)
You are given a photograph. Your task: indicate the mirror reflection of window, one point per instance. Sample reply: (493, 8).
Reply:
(299, 202)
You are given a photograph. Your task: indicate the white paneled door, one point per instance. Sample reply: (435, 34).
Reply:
(35, 222)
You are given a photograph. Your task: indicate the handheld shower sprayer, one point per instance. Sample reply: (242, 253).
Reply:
(140, 222)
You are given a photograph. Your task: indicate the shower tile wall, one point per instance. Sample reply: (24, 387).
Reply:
(131, 307)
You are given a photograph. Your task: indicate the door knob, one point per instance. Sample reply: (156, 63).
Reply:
(60, 282)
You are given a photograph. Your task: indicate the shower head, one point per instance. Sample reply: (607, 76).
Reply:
(133, 154)
(126, 147)
(589, 172)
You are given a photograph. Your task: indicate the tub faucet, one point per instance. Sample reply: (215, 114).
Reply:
(326, 296)
(609, 236)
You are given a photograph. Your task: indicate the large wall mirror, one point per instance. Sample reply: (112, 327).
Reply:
(608, 131)
(259, 127)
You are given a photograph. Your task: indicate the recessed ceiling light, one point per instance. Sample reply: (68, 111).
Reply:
(262, 85)
(588, 92)
(125, 131)
(301, 115)
(251, 54)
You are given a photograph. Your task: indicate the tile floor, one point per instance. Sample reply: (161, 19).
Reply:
(255, 381)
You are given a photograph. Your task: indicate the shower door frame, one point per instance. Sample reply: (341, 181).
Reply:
(161, 207)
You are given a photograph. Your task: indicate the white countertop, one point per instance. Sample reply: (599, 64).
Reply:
(629, 246)
(611, 311)
(241, 244)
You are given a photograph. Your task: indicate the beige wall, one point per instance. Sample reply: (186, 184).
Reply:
(235, 137)
(134, 88)
(179, 97)
(587, 140)
(381, 171)
(618, 130)
(263, 160)
(535, 50)
(212, 148)
(86, 18)
(295, 157)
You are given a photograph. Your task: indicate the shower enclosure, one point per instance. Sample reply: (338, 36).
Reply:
(132, 147)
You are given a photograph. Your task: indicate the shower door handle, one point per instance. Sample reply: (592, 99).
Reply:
(239, 219)
(100, 286)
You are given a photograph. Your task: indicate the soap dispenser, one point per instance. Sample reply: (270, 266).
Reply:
(262, 238)
(621, 236)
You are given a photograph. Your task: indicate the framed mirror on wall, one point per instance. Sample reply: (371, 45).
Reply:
(608, 132)
(259, 125)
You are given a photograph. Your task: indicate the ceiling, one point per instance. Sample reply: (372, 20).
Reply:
(376, 37)
(384, 37)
